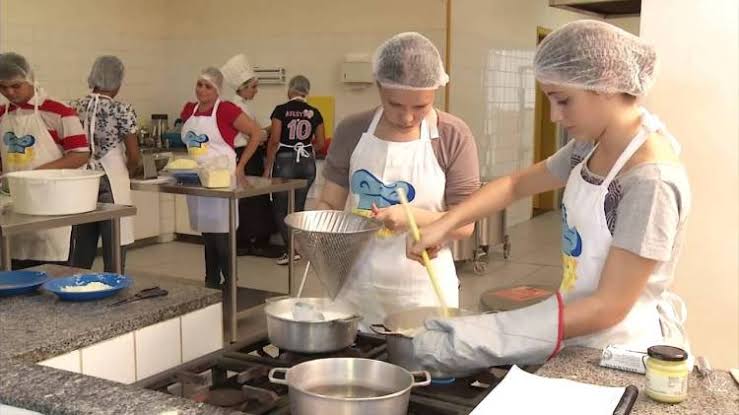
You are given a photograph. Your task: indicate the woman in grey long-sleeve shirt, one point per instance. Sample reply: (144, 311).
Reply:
(625, 205)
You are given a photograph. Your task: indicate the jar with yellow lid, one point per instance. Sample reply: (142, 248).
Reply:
(667, 374)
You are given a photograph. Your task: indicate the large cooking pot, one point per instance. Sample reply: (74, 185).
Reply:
(348, 386)
(399, 329)
(336, 332)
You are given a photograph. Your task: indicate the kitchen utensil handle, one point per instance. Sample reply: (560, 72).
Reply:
(305, 276)
(426, 378)
(278, 381)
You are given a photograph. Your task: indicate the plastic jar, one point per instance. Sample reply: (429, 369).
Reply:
(667, 374)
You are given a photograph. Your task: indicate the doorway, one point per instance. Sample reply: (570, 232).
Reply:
(545, 139)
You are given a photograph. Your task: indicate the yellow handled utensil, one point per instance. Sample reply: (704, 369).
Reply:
(424, 255)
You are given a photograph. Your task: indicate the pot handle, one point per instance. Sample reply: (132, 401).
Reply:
(350, 319)
(425, 382)
(278, 381)
(382, 330)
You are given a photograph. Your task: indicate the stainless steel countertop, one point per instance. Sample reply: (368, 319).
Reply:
(256, 186)
(13, 223)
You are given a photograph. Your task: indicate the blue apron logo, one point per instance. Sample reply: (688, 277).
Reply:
(372, 190)
(18, 144)
(194, 140)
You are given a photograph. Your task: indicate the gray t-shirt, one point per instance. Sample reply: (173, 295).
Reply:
(646, 207)
(454, 148)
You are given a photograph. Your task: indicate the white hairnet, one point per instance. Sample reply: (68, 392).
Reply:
(14, 66)
(214, 76)
(237, 71)
(299, 84)
(106, 73)
(409, 61)
(596, 56)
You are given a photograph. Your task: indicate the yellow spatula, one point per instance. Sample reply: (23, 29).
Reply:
(424, 255)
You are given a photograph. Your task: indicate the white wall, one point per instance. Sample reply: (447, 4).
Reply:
(309, 38)
(696, 94)
(492, 84)
(61, 39)
(165, 43)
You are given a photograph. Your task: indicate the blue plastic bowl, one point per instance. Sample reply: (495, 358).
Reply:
(20, 282)
(117, 283)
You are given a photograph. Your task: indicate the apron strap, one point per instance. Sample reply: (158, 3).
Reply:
(375, 120)
(629, 151)
(300, 150)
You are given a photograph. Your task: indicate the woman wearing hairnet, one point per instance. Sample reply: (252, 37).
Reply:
(295, 124)
(38, 132)
(625, 204)
(111, 129)
(209, 130)
(404, 143)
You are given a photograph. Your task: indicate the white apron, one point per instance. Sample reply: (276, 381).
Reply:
(204, 141)
(587, 243)
(26, 145)
(384, 281)
(114, 165)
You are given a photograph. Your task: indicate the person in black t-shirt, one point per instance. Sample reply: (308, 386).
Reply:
(295, 125)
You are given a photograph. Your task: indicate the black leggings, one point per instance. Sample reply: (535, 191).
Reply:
(216, 258)
(286, 167)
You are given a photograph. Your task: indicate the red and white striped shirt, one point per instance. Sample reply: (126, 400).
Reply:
(60, 119)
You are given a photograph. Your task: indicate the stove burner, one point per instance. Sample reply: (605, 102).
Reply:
(226, 398)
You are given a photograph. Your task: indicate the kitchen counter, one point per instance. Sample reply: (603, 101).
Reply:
(581, 364)
(37, 327)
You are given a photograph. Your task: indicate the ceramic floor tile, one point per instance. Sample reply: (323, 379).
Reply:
(535, 259)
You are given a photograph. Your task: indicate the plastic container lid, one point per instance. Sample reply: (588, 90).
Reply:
(667, 353)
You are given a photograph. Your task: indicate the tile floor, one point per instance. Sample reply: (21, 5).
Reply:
(535, 259)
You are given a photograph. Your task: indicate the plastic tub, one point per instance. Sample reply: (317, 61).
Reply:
(54, 192)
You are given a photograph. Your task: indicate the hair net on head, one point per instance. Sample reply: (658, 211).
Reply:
(237, 71)
(596, 56)
(14, 66)
(214, 76)
(299, 84)
(409, 61)
(106, 73)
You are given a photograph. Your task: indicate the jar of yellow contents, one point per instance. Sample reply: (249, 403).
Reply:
(667, 374)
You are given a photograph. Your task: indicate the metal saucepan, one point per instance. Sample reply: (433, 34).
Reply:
(348, 386)
(399, 329)
(337, 332)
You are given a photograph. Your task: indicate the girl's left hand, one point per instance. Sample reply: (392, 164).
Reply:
(393, 217)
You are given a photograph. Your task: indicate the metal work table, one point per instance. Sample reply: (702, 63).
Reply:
(12, 223)
(255, 186)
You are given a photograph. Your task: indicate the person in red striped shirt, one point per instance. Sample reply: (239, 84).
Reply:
(38, 132)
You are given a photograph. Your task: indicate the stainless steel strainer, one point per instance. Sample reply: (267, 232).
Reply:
(332, 241)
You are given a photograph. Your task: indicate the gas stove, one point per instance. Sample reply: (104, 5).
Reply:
(236, 378)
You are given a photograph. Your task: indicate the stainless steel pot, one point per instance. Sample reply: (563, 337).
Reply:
(310, 336)
(399, 329)
(348, 386)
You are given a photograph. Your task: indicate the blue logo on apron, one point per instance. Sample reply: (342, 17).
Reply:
(372, 190)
